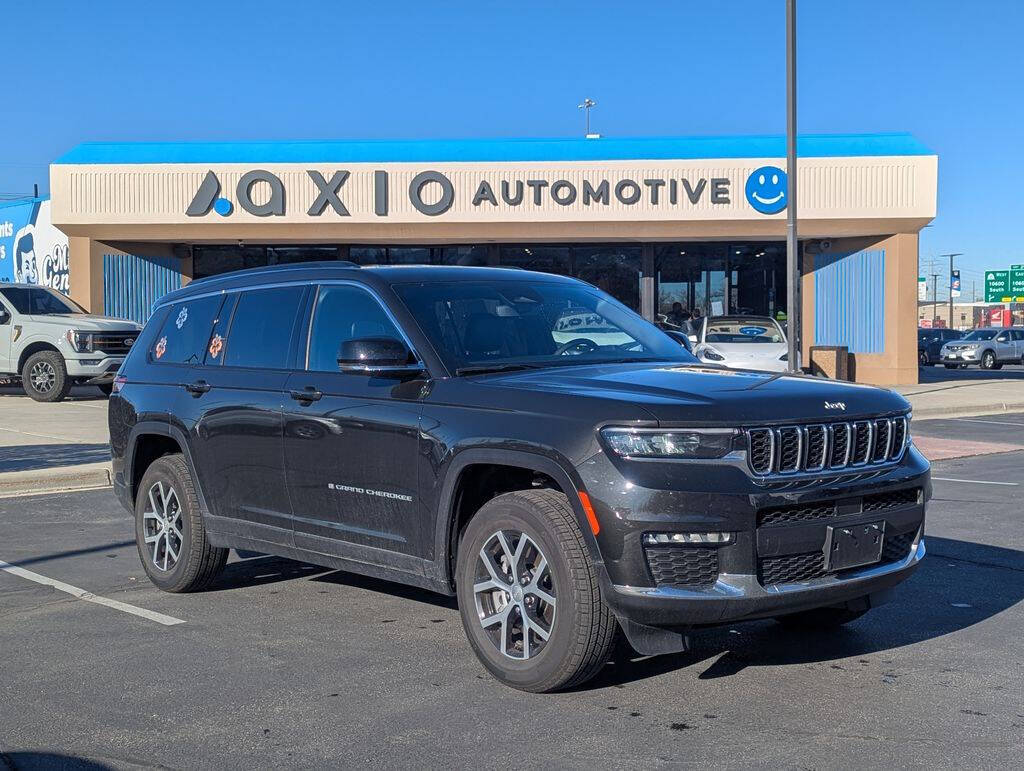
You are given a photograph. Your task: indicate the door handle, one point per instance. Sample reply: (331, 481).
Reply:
(197, 388)
(307, 394)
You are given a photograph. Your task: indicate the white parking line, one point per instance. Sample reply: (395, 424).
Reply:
(975, 481)
(82, 594)
(993, 422)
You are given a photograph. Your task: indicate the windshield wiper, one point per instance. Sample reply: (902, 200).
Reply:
(482, 369)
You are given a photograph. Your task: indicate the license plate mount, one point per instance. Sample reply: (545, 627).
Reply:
(853, 545)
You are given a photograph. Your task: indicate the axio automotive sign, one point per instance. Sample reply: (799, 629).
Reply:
(32, 250)
(262, 193)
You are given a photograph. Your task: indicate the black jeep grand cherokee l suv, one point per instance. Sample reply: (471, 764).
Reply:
(520, 440)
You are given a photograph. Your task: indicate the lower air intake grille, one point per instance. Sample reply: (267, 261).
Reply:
(897, 547)
(792, 567)
(806, 513)
(683, 566)
(891, 500)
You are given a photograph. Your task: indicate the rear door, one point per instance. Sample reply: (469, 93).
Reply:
(236, 398)
(351, 449)
(1018, 343)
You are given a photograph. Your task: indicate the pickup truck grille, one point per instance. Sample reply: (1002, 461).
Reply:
(825, 446)
(114, 342)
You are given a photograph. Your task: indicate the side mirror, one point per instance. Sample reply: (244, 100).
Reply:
(369, 355)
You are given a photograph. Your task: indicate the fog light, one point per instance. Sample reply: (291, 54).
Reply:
(663, 539)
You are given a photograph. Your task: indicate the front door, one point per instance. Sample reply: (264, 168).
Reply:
(351, 438)
(6, 336)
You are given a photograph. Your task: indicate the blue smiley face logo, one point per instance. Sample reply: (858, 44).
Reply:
(766, 189)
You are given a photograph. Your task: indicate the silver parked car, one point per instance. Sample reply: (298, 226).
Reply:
(989, 348)
(742, 342)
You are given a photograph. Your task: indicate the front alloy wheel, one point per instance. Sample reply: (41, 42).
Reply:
(515, 594)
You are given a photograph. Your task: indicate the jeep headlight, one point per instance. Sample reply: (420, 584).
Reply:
(79, 341)
(669, 443)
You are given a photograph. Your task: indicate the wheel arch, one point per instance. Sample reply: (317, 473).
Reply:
(150, 440)
(446, 531)
(33, 348)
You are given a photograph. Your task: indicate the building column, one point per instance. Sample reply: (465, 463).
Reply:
(85, 267)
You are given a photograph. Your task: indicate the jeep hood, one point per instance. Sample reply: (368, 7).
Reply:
(699, 394)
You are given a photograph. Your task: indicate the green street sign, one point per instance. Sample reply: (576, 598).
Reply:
(1017, 283)
(997, 286)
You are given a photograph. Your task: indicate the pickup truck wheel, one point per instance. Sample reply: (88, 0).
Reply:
(45, 377)
(528, 595)
(821, 618)
(169, 530)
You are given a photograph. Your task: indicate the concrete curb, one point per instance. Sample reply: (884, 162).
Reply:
(966, 411)
(86, 476)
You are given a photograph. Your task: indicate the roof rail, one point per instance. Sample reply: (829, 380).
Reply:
(273, 269)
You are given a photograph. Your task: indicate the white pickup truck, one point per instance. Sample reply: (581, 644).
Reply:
(50, 343)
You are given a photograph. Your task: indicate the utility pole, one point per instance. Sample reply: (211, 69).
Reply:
(792, 244)
(587, 104)
(951, 256)
(935, 292)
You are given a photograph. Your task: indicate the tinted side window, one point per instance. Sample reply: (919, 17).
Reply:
(186, 331)
(261, 328)
(1018, 334)
(344, 313)
(16, 297)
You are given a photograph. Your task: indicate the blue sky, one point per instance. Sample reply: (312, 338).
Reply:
(950, 72)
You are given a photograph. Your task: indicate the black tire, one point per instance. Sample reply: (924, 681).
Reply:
(988, 360)
(821, 618)
(45, 377)
(198, 563)
(582, 632)
(922, 359)
(106, 388)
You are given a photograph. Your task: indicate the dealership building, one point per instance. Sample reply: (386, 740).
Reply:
(653, 221)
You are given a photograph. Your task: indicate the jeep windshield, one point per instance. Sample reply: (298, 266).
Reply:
(39, 301)
(479, 327)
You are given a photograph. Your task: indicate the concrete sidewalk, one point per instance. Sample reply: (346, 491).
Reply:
(959, 393)
(53, 447)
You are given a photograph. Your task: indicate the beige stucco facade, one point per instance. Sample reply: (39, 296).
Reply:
(846, 203)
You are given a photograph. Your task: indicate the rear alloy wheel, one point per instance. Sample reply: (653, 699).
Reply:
(169, 530)
(528, 594)
(45, 377)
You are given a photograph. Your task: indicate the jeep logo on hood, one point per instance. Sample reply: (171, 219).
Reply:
(835, 406)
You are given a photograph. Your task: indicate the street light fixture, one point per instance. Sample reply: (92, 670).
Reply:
(587, 104)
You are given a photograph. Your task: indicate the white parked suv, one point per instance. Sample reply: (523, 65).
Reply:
(51, 343)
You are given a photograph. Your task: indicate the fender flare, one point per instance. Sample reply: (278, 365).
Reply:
(564, 476)
(160, 428)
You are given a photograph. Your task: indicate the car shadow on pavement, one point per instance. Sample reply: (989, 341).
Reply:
(51, 761)
(30, 457)
(388, 587)
(258, 570)
(78, 393)
(954, 588)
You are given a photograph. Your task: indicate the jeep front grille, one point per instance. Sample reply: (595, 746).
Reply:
(825, 446)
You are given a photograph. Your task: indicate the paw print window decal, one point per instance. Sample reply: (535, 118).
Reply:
(216, 346)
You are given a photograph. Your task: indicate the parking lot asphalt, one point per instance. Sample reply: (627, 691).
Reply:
(286, 664)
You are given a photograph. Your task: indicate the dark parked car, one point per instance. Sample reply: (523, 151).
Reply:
(519, 440)
(930, 342)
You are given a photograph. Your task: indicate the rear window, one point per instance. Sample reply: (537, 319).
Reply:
(186, 331)
(261, 328)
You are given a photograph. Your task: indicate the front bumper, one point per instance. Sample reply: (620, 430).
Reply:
(966, 356)
(736, 597)
(774, 562)
(94, 368)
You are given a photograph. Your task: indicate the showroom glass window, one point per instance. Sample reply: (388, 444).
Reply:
(261, 328)
(342, 313)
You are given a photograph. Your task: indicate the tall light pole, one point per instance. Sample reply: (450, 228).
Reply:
(792, 257)
(587, 104)
(951, 256)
